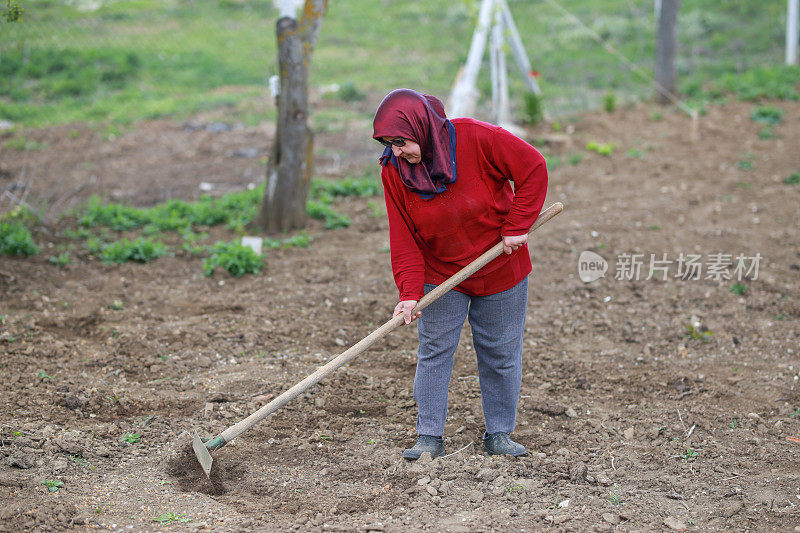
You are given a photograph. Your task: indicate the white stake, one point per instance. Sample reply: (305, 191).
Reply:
(792, 15)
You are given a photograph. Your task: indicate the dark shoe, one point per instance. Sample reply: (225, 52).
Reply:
(501, 444)
(425, 443)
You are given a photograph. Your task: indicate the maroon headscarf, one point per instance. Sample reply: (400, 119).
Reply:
(421, 118)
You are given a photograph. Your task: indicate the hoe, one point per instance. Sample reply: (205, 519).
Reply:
(203, 448)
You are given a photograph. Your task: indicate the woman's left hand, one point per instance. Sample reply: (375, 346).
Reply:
(511, 243)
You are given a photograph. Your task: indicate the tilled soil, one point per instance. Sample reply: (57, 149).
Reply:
(630, 421)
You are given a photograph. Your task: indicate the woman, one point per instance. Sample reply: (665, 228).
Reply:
(449, 199)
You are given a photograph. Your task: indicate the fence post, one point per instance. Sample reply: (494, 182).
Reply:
(665, 49)
(792, 15)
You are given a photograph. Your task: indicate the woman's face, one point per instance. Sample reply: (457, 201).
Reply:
(410, 151)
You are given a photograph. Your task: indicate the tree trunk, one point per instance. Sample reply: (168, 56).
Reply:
(665, 50)
(292, 156)
(290, 164)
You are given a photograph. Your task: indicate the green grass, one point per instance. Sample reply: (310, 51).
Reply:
(139, 59)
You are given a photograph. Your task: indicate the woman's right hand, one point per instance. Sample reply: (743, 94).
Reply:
(405, 307)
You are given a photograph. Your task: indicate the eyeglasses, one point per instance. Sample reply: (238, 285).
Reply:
(394, 142)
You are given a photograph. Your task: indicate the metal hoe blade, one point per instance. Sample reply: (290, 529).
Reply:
(203, 455)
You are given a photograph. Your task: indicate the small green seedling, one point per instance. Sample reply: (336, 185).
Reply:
(738, 288)
(170, 517)
(61, 260)
(793, 179)
(796, 413)
(42, 374)
(604, 149)
(78, 458)
(557, 500)
(689, 454)
(116, 305)
(734, 423)
(17, 433)
(613, 497)
(517, 487)
(371, 441)
(53, 484)
(132, 438)
(767, 133)
(574, 159)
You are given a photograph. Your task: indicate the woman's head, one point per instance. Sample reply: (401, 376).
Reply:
(415, 127)
(407, 114)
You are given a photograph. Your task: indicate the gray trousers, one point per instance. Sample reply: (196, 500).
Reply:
(497, 323)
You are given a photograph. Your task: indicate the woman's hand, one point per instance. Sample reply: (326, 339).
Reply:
(511, 243)
(405, 307)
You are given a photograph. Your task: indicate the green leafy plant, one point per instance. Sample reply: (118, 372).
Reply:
(767, 115)
(238, 260)
(141, 250)
(610, 102)
(61, 260)
(170, 517)
(325, 190)
(613, 497)
(738, 288)
(132, 438)
(42, 374)
(15, 239)
(604, 149)
(792, 179)
(532, 108)
(53, 484)
(689, 454)
(635, 153)
(322, 211)
(116, 305)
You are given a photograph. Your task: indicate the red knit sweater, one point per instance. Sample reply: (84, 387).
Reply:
(431, 240)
